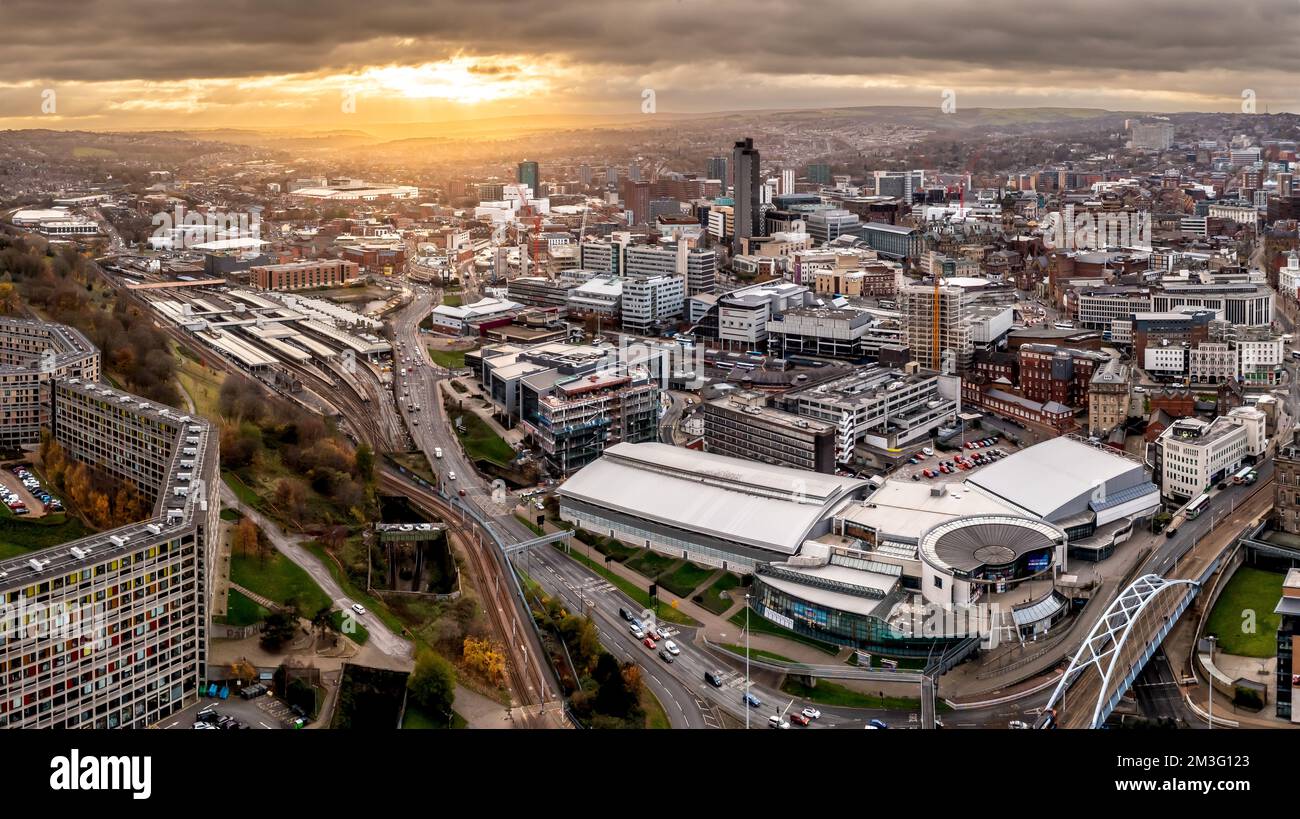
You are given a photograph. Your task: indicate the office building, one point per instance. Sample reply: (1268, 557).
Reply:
(746, 192)
(1288, 645)
(651, 304)
(571, 419)
(1109, 397)
(1192, 455)
(528, 174)
(951, 347)
(743, 425)
(819, 173)
(1152, 136)
(879, 407)
(717, 169)
(303, 275)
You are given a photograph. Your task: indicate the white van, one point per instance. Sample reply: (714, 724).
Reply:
(437, 452)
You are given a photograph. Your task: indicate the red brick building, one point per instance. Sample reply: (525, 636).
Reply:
(303, 275)
(1060, 374)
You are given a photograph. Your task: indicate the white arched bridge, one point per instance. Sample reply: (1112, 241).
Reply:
(1120, 643)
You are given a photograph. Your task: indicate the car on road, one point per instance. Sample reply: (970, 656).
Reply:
(637, 631)
(811, 713)
(713, 678)
(626, 615)
(799, 719)
(752, 701)
(877, 723)
(649, 642)
(672, 648)
(358, 608)
(665, 656)
(775, 721)
(928, 451)
(1018, 725)
(437, 452)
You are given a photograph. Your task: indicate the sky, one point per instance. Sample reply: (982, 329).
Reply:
(345, 64)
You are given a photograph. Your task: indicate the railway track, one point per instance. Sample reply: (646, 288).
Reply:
(526, 688)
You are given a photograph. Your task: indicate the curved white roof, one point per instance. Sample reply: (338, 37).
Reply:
(746, 502)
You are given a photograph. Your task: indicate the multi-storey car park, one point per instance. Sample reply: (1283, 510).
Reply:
(111, 630)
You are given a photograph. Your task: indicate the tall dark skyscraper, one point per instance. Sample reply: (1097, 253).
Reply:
(528, 175)
(718, 170)
(744, 163)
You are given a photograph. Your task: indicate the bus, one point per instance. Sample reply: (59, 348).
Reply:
(1195, 508)
(1245, 476)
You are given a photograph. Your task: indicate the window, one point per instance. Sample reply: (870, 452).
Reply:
(938, 582)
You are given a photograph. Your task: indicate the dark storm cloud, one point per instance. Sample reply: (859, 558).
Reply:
(153, 40)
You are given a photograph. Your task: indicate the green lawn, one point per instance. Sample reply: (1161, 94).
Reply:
(1248, 590)
(231, 515)
(20, 535)
(415, 719)
(829, 693)
(762, 625)
(685, 578)
(640, 595)
(240, 611)
(651, 564)
(757, 653)
(280, 579)
(712, 599)
(533, 527)
(242, 490)
(359, 633)
(451, 300)
(449, 359)
(604, 545)
(479, 439)
(655, 716)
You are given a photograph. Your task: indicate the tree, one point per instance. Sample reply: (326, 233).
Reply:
(244, 541)
(323, 620)
(365, 460)
(242, 669)
(278, 628)
(432, 684)
(485, 658)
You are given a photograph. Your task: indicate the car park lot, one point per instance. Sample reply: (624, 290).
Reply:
(263, 712)
(20, 489)
(960, 463)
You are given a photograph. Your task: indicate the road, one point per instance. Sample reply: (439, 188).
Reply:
(381, 637)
